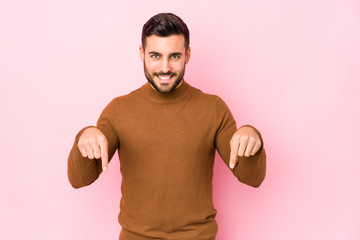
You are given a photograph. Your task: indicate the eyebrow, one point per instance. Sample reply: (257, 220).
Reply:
(172, 54)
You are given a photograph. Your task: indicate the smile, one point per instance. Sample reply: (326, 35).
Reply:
(164, 79)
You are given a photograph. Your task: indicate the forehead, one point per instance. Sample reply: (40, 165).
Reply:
(172, 43)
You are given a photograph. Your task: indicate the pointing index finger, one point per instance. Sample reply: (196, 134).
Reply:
(104, 153)
(234, 147)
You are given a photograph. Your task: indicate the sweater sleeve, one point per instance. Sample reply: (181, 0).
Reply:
(83, 171)
(249, 170)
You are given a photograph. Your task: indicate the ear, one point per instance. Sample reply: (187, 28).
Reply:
(142, 53)
(187, 55)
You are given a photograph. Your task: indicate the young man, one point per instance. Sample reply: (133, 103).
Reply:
(166, 133)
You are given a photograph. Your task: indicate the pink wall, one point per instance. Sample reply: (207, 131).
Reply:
(290, 68)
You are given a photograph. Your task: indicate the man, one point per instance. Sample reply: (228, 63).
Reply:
(166, 133)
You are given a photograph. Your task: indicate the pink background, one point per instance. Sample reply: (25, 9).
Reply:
(290, 68)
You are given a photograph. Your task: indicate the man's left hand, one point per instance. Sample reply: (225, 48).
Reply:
(244, 142)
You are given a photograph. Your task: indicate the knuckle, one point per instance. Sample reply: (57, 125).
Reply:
(243, 139)
(101, 138)
(235, 138)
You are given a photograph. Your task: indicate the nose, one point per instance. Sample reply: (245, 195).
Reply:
(165, 66)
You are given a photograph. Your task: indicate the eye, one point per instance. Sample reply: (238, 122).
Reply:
(175, 56)
(154, 55)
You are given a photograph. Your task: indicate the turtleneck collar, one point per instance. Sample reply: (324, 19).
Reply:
(176, 95)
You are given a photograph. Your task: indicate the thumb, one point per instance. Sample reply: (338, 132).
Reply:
(234, 148)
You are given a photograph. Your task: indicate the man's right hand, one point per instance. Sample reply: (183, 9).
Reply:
(93, 144)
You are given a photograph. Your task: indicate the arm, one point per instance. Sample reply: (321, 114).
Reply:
(249, 170)
(83, 171)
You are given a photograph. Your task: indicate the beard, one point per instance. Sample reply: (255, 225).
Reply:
(150, 78)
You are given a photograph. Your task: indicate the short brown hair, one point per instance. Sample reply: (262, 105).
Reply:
(164, 25)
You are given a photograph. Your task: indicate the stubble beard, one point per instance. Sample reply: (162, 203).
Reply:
(152, 82)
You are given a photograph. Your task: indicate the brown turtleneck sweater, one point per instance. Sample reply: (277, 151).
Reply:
(166, 144)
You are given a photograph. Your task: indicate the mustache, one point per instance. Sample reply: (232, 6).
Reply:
(164, 74)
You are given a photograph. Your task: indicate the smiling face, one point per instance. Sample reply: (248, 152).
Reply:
(164, 61)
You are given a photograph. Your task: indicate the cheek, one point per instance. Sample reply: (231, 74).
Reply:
(178, 66)
(151, 66)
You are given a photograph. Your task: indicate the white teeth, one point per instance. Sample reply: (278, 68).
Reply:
(164, 78)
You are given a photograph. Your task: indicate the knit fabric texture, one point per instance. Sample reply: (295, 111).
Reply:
(166, 145)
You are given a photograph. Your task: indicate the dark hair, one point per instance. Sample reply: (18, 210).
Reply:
(164, 25)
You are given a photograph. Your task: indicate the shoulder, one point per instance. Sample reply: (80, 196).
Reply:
(126, 98)
(212, 102)
(208, 99)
